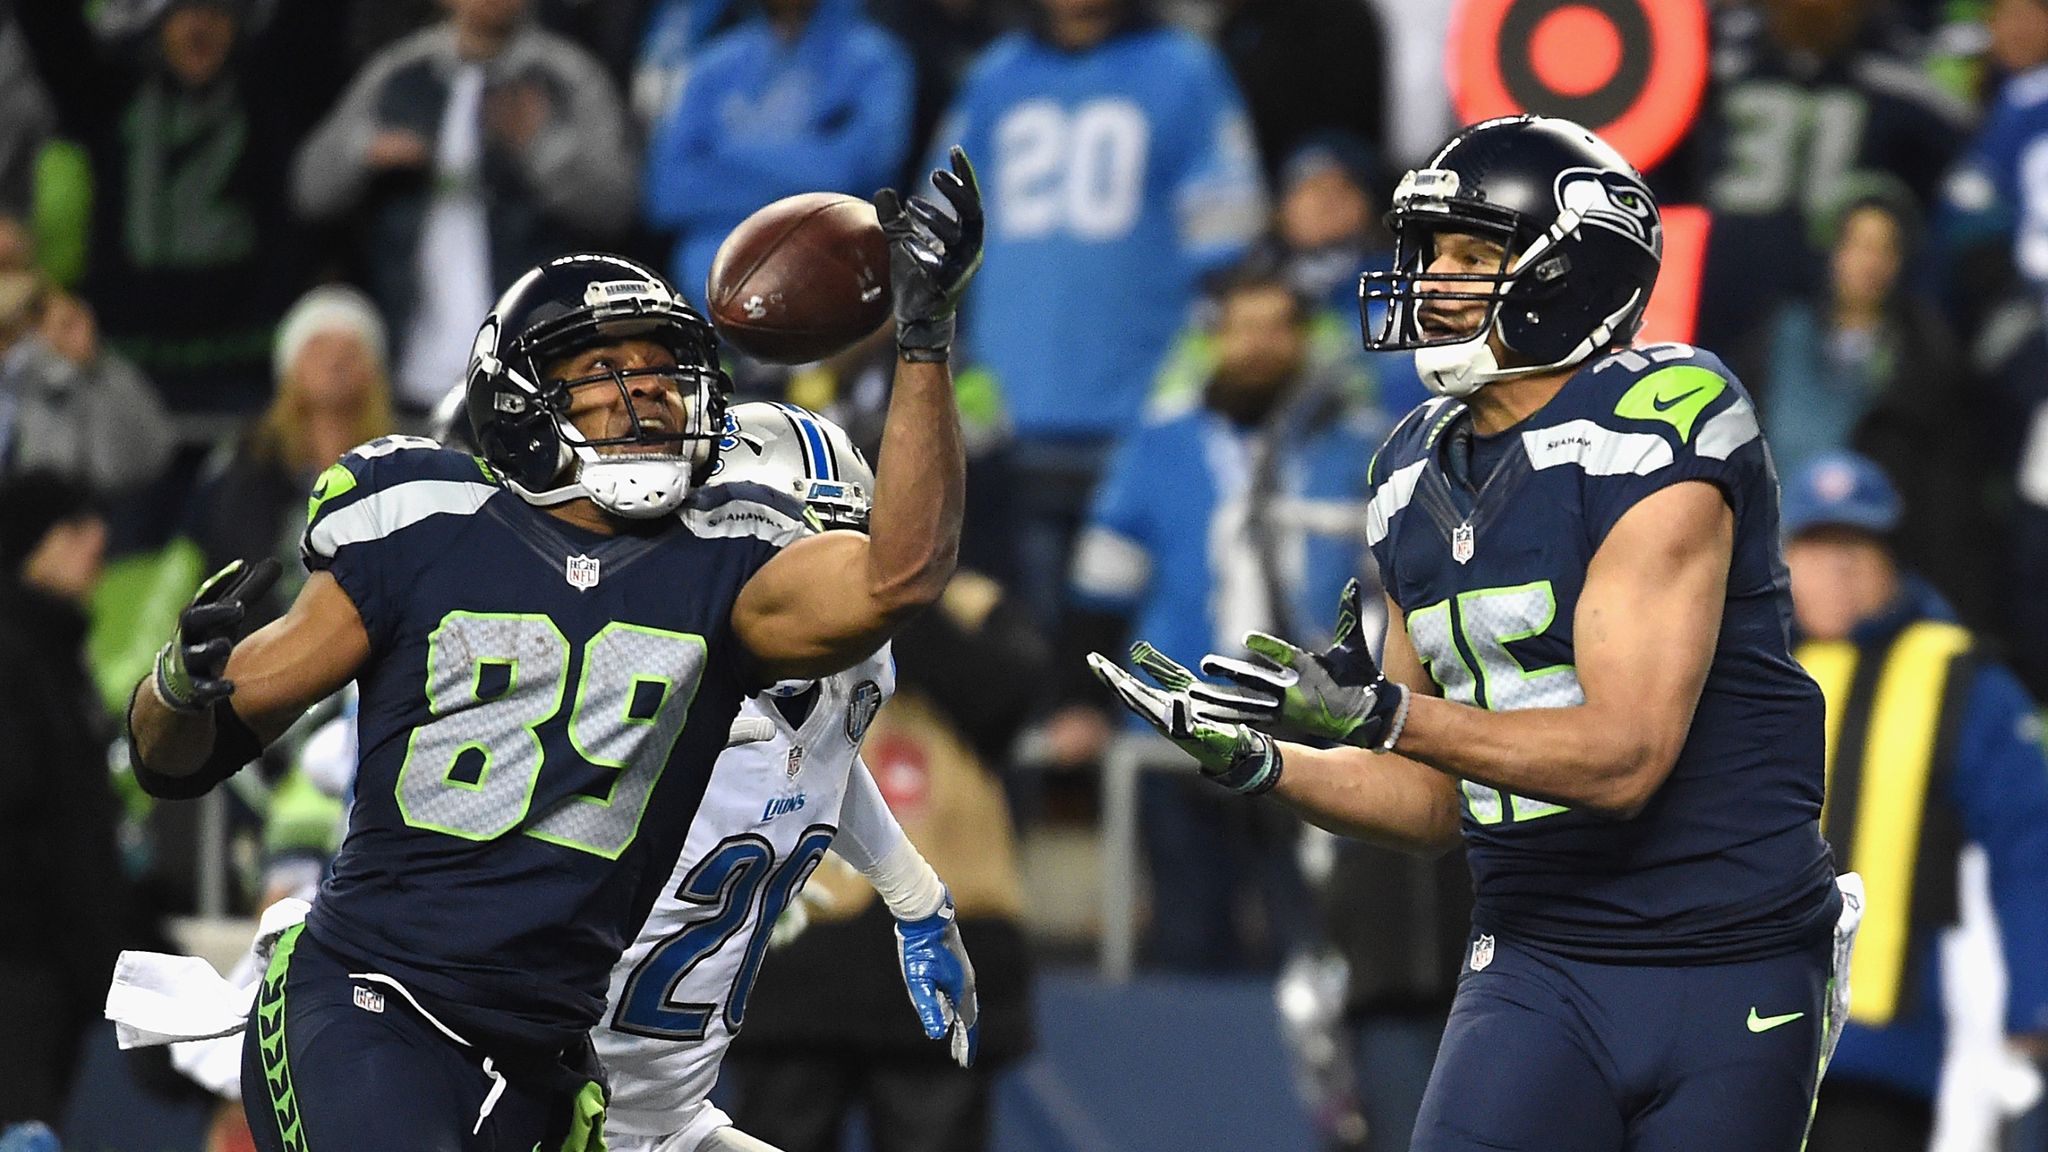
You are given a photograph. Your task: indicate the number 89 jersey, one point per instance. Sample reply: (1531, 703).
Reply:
(540, 712)
(1726, 861)
(679, 994)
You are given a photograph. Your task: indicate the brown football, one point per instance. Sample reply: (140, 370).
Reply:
(802, 279)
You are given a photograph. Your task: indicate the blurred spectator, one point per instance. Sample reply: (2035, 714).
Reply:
(1942, 803)
(332, 394)
(1307, 66)
(944, 37)
(1118, 165)
(192, 253)
(1242, 514)
(1995, 196)
(806, 96)
(1419, 116)
(467, 152)
(61, 893)
(66, 404)
(826, 1033)
(26, 121)
(1329, 229)
(1806, 92)
(1867, 365)
(670, 38)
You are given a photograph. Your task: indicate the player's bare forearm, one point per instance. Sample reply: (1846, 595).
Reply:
(171, 743)
(1387, 799)
(920, 493)
(1643, 636)
(827, 602)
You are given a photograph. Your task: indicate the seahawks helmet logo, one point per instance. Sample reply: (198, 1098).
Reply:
(1610, 200)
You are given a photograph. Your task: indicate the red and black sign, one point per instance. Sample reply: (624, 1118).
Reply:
(1631, 70)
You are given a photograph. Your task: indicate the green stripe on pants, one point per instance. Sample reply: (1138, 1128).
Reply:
(277, 1073)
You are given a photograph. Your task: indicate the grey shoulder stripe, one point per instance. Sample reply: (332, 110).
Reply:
(1599, 450)
(1719, 437)
(381, 513)
(1393, 495)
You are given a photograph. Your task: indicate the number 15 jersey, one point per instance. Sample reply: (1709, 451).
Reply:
(540, 713)
(1487, 560)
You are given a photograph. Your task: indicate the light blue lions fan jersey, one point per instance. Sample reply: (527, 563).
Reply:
(1727, 860)
(1179, 540)
(540, 712)
(1114, 179)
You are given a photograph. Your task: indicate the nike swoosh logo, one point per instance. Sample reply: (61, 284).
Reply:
(1766, 1023)
(1667, 403)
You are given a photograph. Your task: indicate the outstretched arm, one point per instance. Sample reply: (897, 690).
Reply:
(826, 602)
(264, 683)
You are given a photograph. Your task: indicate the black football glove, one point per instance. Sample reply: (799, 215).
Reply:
(188, 670)
(932, 256)
(1337, 695)
(1239, 758)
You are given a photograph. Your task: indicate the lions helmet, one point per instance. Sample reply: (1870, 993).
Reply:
(796, 452)
(1582, 243)
(520, 415)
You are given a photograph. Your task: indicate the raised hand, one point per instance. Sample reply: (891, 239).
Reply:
(1337, 695)
(933, 254)
(189, 668)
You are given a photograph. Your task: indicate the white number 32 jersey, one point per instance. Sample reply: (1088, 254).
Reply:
(679, 993)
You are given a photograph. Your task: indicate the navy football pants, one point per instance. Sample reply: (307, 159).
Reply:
(1546, 1054)
(322, 1072)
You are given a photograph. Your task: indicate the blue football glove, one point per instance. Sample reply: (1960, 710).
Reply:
(1240, 759)
(940, 979)
(189, 668)
(1337, 695)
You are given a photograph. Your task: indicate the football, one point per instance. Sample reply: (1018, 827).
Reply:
(802, 279)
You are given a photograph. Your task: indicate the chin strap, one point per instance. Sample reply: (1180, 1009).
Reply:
(1459, 370)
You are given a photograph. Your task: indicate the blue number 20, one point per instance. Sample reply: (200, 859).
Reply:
(727, 881)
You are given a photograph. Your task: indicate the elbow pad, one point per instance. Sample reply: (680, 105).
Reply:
(234, 745)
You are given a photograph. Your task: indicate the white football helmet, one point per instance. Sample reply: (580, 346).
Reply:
(796, 452)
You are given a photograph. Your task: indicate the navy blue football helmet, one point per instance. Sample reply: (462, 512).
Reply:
(518, 411)
(1582, 242)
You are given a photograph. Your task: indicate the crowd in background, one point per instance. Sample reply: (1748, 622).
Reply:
(239, 236)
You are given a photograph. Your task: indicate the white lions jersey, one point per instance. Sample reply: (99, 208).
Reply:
(679, 994)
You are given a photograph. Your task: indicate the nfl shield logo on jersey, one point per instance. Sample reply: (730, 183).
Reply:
(1482, 953)
(1461, 544)
(861, 709)
(582, 573)
(796, 761)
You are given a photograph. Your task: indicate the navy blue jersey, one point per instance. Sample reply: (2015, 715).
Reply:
(540, 713)
(1726, 861)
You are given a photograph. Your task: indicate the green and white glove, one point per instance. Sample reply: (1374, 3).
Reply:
(1240, 759)
(1337, 695)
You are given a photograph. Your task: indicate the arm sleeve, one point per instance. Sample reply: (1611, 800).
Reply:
(2001, 784)
(1219, 193)
(868, 831)
(580, 163)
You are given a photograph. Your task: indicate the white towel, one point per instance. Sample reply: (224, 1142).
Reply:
(162, 999)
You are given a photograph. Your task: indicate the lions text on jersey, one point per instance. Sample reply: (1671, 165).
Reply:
(540, 713)
(679, 994)
(1486, 553)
